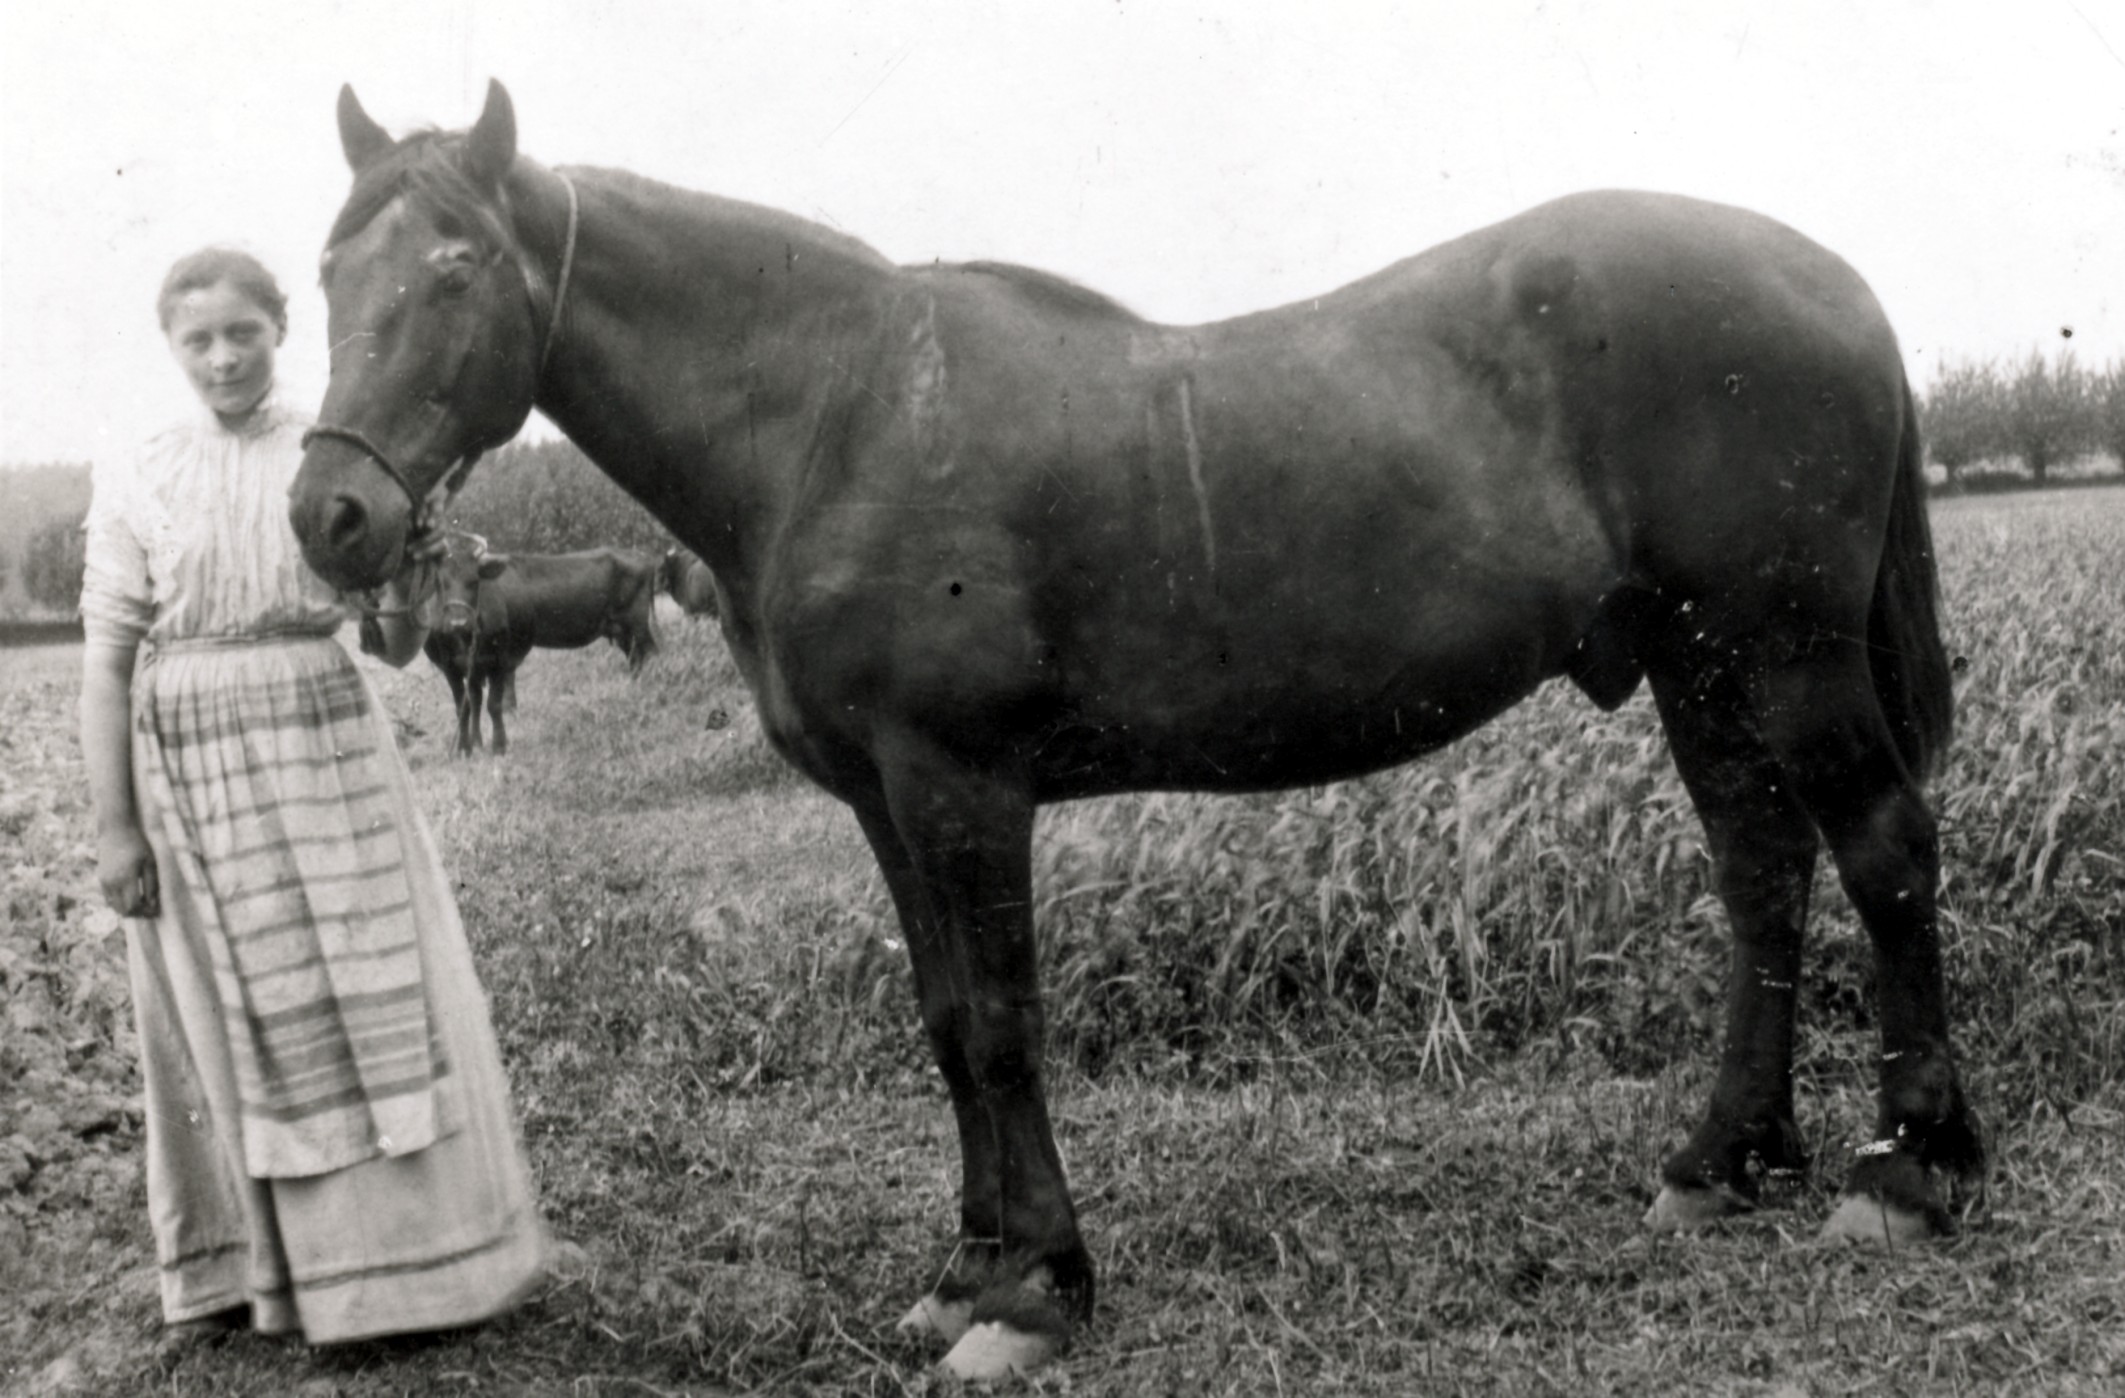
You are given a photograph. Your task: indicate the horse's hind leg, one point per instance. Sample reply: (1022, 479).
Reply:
(1763, 849)
(1821, 717)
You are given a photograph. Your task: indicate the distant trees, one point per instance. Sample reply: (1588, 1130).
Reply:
(546, 497)
(531, 497)
(32, 497)
(1961, 421)
(52, 562)
(2048, 418)
(2041, 413)
(2109, 410)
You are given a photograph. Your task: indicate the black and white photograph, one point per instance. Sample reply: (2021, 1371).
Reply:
(705, 697)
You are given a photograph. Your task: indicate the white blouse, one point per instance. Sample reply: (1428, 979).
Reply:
(190, 537)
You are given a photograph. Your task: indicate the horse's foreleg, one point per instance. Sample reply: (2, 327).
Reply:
(1820, 716)
(968, 839)
(947, 1310)
(1763, 848)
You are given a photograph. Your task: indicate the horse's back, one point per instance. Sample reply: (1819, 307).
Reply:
(1320, 539)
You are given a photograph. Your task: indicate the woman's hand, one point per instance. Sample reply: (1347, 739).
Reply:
(426, 546)
(425, 549)
(125, 867)
(407, 601)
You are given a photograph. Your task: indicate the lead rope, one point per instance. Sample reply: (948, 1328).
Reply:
(421, 590)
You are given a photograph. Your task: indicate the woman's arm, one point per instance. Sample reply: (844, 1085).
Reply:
(125, 866)
(400, 631)
(397, 621)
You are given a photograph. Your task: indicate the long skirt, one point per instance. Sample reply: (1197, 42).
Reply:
(428, 1238)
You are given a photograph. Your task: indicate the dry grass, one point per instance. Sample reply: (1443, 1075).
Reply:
(1265, 1013)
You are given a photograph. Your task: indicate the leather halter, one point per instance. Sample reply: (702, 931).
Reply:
(361, 443)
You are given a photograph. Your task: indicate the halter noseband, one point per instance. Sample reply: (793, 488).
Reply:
(377, 454)
(367, 448)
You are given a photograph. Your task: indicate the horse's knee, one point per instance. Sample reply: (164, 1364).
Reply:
(1001, 1042)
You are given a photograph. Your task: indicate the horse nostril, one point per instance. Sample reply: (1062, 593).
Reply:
(346, 522)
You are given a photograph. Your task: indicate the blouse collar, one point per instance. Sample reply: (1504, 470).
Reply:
(271, 412)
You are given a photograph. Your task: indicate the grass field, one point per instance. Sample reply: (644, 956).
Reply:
(1362, 1088)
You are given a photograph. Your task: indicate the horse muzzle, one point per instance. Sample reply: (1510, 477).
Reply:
(351, 518)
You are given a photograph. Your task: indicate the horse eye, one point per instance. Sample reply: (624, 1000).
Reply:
(455, 279)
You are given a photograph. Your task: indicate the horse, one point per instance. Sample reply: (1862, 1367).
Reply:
(494, 609)
(986, 540)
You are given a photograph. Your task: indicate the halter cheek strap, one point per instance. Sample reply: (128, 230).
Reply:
(568, 267)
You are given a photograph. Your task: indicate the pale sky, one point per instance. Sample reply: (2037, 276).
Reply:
(1193, 159)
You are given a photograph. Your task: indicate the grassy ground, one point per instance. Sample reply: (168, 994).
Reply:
(1362, 1089)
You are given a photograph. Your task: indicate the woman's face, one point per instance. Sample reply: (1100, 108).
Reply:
(224, 341)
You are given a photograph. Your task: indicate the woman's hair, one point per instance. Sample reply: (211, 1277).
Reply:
(197, 271)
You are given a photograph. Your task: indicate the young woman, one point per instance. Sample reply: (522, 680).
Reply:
(331, 1147)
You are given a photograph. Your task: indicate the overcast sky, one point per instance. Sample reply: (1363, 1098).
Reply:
(1194, 159)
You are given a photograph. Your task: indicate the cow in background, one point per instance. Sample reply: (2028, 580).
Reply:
(496, 608)
(690, 583)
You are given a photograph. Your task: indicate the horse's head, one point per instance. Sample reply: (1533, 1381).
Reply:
(439, 315)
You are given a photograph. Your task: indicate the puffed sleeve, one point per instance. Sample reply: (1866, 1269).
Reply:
(117, 595)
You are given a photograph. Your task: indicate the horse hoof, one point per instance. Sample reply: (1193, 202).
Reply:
(933, 1315)
(996, 1350)
(1865, 1219)
(1682, 1209)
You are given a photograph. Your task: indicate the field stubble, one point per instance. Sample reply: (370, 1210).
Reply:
(1363, 1088)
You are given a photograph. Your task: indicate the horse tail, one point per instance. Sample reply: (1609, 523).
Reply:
(1911, 673)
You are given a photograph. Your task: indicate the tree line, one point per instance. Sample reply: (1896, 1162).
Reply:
(546, 497)
(40, 537)
(1982, 418)
(527, 497)
(1983, 423)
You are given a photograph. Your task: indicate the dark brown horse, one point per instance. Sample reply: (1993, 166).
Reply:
(987, 540)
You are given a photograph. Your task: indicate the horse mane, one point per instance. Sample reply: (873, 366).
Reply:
(742, 217)
(423, 166)
(1049, 290)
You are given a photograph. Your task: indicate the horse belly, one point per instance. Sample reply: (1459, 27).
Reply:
(1328, 640)
(1304, 699)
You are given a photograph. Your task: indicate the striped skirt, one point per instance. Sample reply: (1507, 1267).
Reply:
(330, 1137)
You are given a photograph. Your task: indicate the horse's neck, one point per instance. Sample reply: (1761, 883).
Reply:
(698, 334)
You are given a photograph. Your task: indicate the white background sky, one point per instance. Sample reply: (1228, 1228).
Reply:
(1195, 159)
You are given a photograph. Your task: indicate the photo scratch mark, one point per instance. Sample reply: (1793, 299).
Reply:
(882, 81)
(1195, 475)
(2083, 17)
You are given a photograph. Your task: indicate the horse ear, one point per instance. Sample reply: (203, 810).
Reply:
(361, 138)
(490, 147)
